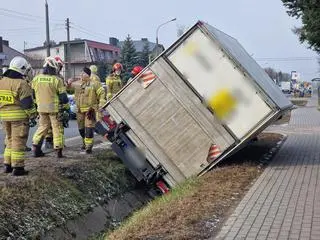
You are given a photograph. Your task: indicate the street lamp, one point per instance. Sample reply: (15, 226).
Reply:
(157, 39)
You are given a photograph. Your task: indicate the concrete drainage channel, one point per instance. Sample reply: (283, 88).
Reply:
(103, 216)
(100, 218)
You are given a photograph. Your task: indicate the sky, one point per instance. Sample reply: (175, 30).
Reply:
(262, 27)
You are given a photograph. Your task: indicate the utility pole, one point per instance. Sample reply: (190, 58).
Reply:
(47, 30)
(68, 52)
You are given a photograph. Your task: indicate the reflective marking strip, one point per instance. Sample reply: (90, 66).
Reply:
(100, 90)
(17, 155)
(8, 92)
(88, 141)
(13, 114)
(7, 152)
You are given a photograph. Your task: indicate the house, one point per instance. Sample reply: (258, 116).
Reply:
(7, 54)
(83, 52)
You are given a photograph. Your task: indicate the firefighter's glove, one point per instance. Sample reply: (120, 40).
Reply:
(32, 122)
(91, 115)
(63, 117)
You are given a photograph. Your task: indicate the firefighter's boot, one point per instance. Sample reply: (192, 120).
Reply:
(37, 152)
(89, 151)
(7, 168)
(82, 134)
(27, 149)
(19, 171)
(59, 153)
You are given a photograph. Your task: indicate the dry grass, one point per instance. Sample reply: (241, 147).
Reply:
(177, 215)
(197, 208)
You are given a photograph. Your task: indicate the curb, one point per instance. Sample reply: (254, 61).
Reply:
(267, 157)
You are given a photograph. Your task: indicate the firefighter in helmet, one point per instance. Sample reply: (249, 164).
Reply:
(16, 110)
(113, 81)
(90, 97)
(94, 72)
(50, 94)
(49, 136)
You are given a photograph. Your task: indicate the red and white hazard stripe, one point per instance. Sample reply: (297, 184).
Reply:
(147, 77)
(214, 152)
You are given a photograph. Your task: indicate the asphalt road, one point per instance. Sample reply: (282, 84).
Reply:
(70, 132)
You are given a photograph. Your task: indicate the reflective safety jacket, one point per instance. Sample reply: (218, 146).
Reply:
(95, 77)
(89, 94)
(16, 101)
(50, 93)
(114, 84)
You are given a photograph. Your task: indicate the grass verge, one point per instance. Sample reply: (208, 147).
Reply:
(299, 101)
(197, 208)
(55, 192)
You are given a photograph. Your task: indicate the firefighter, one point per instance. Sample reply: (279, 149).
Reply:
(113, 81)
(16, 110)
(50, 94)
(28, 77)
(90, 97)
(94, 71)
(135, 71)
(49, 136)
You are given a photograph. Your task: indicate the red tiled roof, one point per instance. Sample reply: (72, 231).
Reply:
(102, 46)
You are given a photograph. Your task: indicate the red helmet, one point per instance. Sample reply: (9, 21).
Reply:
(136, 70)
(59, 60)
(117, 66)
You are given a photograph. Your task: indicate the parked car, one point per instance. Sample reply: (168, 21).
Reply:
(73, 107)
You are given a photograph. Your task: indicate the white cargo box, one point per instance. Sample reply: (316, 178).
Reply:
(198, 102)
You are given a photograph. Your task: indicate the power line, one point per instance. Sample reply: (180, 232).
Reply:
(12, 12)
(286, 59)
(88, 31)
(21, 17)
(20, 29)
(24, 17)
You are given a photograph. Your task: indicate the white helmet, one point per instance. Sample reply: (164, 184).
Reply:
(93, 68)
(20, 65)
(51, 62)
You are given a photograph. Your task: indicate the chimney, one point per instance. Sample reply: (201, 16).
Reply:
(1, 47)
(113, 41)
(5, 42)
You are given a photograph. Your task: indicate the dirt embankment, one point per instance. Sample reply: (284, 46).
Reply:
(198, 208)
(57, 191)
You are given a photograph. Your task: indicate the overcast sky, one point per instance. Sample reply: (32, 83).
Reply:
(262, 27)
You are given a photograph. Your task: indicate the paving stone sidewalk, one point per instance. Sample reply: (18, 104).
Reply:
(284, 203)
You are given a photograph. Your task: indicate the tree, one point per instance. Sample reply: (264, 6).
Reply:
(277, 76)
(309, 12)
(103, 70)
(128, 58)
(143, 57)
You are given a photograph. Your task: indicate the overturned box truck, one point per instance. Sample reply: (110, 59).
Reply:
(201, 100)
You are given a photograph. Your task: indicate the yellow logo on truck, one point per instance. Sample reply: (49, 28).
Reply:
(223, 103)
(190, 48)
(6, 98)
